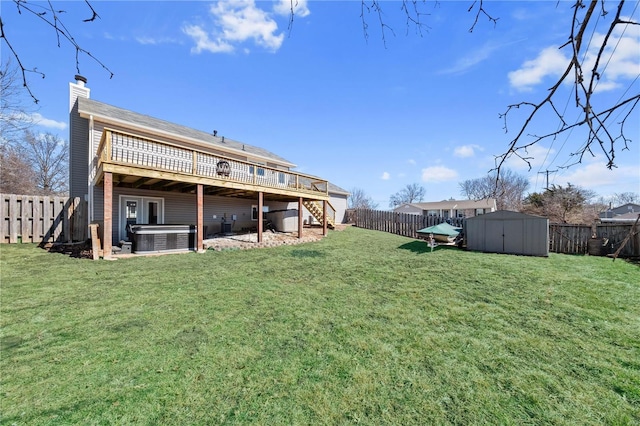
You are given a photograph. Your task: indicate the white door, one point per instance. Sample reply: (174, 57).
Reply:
(140, 210)
(129, 214)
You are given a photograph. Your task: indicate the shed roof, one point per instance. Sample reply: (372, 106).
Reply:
(505, 215)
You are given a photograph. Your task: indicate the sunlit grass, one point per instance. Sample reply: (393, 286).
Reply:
(360, 327)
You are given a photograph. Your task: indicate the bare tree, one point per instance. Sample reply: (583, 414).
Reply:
(16, 174)
(508, 189)
(47, 155)
(409, 194)
(569, 204)
(358, 199)
(15, 116)
(622, 198)
(49, 14)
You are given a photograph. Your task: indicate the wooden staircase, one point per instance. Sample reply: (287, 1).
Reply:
(315, 208)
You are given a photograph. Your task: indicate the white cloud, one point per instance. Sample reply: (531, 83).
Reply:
(155, 40)
(38, 120)
(385, 176)
(283, 7)
(236, 22)
(411, 161)
(475, 57)
(550, 62)
(620, 60)
(438, 174)
(597, 177)
(465, 151)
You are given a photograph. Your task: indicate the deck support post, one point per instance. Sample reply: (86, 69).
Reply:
(324, 218)
(300, 220)
(199, 219)
(260, 222)
(107, 242)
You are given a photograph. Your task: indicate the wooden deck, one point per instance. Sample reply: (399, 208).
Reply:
(141, 162)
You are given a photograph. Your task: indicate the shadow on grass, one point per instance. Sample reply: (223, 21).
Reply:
(423, 247)
(306, 253)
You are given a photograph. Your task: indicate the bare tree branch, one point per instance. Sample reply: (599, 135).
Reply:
(481, 11)
(599, 124)
(51, 17)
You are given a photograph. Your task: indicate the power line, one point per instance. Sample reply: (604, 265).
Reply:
(547, 173)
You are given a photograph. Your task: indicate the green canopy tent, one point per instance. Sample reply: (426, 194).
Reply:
(442, 232)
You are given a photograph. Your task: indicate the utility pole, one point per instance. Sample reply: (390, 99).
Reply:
(547, 173)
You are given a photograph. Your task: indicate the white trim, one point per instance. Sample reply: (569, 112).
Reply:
(90, 178)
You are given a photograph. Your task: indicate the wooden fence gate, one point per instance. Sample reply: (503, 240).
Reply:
(42, 219)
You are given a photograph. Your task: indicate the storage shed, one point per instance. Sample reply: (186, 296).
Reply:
(508, 232)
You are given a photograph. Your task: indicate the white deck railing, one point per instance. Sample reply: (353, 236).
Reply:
(136, 151)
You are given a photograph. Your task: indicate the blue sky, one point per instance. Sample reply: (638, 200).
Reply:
(361, 112)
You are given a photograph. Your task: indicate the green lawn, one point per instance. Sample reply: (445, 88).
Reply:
(361, 327)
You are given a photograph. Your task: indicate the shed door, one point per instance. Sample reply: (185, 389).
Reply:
(494, 236)
(504, 236)
(513, 236)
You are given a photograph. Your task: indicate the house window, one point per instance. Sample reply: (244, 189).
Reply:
(254, 212)
(479, 212)
(432, 212)
(281, 178)
(152, 212)
(259, 172)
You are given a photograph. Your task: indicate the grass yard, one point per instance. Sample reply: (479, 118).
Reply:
(361, 327)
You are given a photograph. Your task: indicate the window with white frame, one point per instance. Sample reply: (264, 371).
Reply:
(254, 212)
(259, 171)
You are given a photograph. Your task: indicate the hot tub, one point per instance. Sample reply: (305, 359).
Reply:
(158, 238)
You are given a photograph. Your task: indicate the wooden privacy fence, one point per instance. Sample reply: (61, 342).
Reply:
(578, 239)
(42, 219)
(404, 224)
(563, 238)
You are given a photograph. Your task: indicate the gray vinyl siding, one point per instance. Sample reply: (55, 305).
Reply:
(339, 203)
(180, 208)
(78, 153)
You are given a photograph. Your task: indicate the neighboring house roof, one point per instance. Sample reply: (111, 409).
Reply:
(111, 114)
(627, 217)
(621, 210)
(335, 189)
(489, 203)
